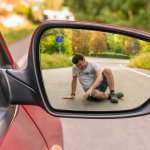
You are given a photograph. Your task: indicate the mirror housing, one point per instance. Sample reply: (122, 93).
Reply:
(27, 86)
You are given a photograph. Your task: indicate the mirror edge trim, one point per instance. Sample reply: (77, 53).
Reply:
(142, 110)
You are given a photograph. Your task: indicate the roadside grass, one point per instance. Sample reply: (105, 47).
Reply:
(141, 61)
(55, 61)
(13, 35)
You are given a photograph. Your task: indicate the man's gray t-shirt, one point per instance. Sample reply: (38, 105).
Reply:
(86, 76)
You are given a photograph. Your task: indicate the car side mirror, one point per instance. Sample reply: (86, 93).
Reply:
(107, 51)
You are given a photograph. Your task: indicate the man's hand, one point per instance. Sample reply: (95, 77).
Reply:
(88, 93)
(69, 97)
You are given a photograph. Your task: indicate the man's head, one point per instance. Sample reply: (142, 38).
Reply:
(79, 60)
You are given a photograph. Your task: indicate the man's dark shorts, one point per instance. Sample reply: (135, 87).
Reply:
(102, 87)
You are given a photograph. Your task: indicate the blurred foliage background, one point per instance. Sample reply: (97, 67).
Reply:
(19, 18)
(130, 13)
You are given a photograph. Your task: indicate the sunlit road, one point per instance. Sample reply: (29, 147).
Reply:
(19, 51)
(84, 134)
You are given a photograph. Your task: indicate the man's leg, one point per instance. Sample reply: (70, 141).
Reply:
(98, 95)
(110, 81)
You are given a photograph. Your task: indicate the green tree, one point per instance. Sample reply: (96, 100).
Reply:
(80, 41)
(144, 46)
(49, 45)
(115, 42)
(97, 42)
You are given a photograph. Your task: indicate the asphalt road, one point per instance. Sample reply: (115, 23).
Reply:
(19, 51)
(84, 134)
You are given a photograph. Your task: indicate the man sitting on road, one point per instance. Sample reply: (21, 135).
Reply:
(93, 81)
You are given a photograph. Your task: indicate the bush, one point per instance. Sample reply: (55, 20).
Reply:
(110, 55)
(48, 44)
(55, 61)
(141, 61)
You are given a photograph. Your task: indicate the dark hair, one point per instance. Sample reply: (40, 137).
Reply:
(77, 57)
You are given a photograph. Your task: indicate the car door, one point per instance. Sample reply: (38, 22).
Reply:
(21, 127)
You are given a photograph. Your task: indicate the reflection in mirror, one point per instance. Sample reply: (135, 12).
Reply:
(104, 76)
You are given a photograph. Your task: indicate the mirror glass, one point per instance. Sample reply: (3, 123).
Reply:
(91, 70)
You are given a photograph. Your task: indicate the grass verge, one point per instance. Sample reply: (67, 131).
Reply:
(55, 61)
(141, 61)
(13, 35)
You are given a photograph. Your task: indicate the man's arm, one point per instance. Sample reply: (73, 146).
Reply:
(94, 85)
(74, 85)
(73, 88)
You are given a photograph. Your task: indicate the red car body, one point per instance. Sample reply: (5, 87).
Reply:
(26, 127)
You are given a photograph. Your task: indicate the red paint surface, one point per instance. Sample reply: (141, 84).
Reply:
(22, 134)
(32, 128)
(49, 126)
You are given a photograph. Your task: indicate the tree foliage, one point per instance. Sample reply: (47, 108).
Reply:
(90, 42)
(97, 43)
(49, 45)
(80, 41)
(115, 42)
(132, 13)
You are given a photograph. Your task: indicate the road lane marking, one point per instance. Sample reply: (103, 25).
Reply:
(141, 73)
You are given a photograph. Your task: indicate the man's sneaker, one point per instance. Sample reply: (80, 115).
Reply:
(119, 95)
(113, 98)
